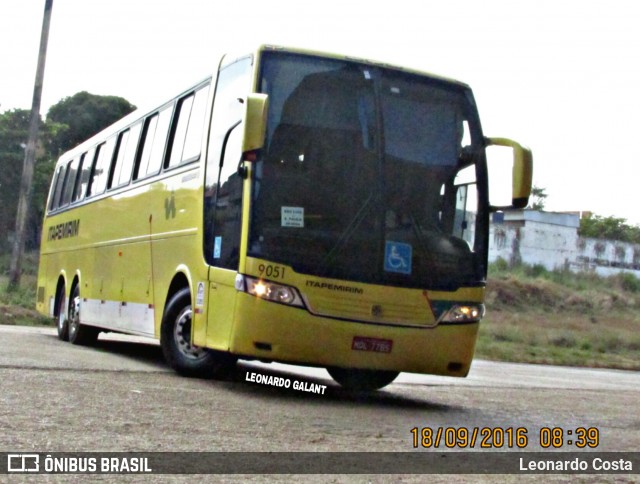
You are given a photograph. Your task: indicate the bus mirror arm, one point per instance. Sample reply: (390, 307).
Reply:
(242, 170)
(248, 157)
(521, 175)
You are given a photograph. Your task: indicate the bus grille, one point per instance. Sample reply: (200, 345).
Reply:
(380, 312)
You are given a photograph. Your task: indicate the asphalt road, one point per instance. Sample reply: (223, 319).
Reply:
(120, 396)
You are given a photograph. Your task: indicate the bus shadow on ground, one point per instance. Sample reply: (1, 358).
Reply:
(307, 389)
(142, 351)
(281, 384)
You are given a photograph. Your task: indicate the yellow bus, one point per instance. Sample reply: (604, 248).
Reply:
(297, 207)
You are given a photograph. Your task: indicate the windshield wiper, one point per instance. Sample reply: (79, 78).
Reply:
(347, 234)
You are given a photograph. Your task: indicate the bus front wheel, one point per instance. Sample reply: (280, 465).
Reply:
(357, 380)
(175, 340)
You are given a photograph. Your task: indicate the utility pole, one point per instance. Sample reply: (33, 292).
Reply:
(26, 187)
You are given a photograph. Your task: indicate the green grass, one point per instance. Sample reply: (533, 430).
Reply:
(549, 343)
(581, 281)
(17, 307)
(560, 317)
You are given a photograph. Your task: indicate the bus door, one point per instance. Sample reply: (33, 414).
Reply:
(223, 199)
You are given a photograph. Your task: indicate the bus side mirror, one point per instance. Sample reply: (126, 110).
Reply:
(255, 123)
(522, 171)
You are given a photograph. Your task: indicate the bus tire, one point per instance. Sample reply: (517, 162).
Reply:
(62, 323)
(79, 334)
(175, 340)
(357, 380)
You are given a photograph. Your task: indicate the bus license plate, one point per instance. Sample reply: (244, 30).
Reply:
(361, 343)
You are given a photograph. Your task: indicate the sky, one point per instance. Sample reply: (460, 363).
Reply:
(562, 77)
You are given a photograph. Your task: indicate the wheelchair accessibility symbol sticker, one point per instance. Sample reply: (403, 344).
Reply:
(397, 257)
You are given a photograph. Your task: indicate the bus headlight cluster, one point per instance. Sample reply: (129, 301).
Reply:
(268, 290)
(463, 313)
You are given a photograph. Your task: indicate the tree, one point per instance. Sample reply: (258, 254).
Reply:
(612, 228)
(14, 130)
(68, 123)
(538, 198)
(76, 118)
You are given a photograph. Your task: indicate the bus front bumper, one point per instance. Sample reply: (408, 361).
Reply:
(276, 332)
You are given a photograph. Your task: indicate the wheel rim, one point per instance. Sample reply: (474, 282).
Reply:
(182, 336)
(62, 314)
(74, 316)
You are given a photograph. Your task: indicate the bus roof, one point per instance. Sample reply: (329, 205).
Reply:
(228, 58)
(362, 60)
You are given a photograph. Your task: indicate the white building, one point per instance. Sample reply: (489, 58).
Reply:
(551, 239)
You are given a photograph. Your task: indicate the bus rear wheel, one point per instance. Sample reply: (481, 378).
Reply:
(357, 380)
(175, 340)
(79, 334)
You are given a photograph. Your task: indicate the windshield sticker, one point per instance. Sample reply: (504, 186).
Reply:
(217, 247)
(397, 257)
(292, 217)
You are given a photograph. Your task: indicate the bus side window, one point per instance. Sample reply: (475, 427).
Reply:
(188, 125)
(116, 168)
(145, 146)
(86, 163)
(130, 155)
(102, 162)
(193, 140)
(125, 156)
(70, 182)
(181, 123)
(154, 139)
(57, 187)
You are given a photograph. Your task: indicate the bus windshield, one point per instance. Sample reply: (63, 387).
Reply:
(369, 174)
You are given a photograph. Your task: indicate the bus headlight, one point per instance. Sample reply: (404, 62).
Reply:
(268, 290)
(463, 313)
